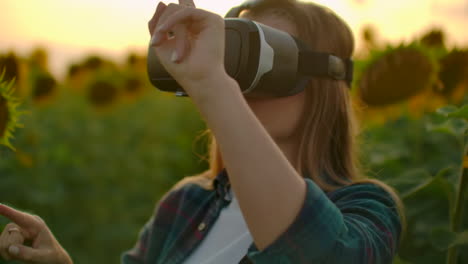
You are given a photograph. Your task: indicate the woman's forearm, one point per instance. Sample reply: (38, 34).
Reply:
(269, 190)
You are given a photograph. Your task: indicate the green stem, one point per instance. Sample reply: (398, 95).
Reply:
(452, 253)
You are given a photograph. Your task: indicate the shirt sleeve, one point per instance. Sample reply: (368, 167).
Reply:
(136, 255)
(139, 253)
(354, 224)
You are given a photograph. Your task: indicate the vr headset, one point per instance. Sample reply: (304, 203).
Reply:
(264, 61)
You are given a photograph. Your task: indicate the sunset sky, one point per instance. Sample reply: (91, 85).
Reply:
(70, 29)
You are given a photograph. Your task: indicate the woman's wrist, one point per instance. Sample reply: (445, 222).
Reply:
(66, 259)
(212, 88)
(63, 256)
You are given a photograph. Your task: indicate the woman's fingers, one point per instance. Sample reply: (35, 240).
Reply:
(24, 253)
(187, 3)
(46, 248)
(11, 235)
(182, 44)
(178, 25)
(4, 246)
(29, 223)
(14, 239)
(154, 20)
(182, 16)
(14, 235)
(178, 30)
(4, 252)
(12, 229)
(157, 37)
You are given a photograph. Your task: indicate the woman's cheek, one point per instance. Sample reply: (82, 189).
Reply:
(279, 116)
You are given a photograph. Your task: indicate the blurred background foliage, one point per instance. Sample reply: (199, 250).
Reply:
(99, 148)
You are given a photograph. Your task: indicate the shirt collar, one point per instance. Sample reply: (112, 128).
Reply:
(222, 185)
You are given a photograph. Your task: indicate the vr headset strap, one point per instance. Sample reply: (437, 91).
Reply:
(311, 63)
(325, 65)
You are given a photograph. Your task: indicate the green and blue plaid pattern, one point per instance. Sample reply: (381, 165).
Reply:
(357, 224)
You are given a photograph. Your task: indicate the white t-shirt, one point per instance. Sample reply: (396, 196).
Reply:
(227, 241)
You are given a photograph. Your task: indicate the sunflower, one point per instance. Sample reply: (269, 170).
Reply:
(39, 58)
(93, 63)
(453, 73)
(10, 64)
(435, 38)
(44, 87)
(133, 87)
(103, 91)
(73, 71)
(8, 112)
(396, 74)
(136, 62)
(102, 94)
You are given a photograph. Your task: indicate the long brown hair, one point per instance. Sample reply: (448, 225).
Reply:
(328, 130)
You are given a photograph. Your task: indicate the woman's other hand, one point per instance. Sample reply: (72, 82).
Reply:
(26, 227)
(11, 235)
(190, 44)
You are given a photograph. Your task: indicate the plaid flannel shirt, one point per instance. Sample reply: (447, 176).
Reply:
(356, 224)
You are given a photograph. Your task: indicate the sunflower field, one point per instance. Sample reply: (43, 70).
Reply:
(91, 154)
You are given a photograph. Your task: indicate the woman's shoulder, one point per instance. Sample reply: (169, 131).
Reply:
(202, 180)
(189, 188)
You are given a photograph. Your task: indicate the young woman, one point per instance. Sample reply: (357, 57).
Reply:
(284, 184)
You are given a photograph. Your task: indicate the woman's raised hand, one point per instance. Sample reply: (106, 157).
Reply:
(26, 227)
(190, 44)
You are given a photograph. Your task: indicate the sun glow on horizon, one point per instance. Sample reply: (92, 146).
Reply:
(115, 26)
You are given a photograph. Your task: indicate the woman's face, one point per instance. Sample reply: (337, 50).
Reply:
(280, 116)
